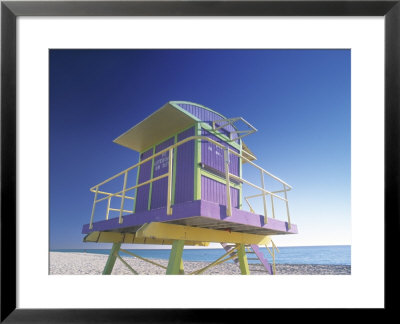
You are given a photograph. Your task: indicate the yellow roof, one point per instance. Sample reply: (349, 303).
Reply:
(159, 126)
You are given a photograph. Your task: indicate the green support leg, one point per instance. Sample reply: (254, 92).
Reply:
(181, 270)
(175, 263)
(111, 259)
(244, 265)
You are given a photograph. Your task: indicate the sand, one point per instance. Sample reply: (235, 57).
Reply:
(68, 263)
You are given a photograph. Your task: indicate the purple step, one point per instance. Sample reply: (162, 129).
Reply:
(227, 248)
(262, 259)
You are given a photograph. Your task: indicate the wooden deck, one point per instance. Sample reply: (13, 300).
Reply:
(198, 213)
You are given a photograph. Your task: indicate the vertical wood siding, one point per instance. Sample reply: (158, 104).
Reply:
(159, 187)
(142, 195)
(184, 181)
(208, 117)
(212, 190)
(213, 156)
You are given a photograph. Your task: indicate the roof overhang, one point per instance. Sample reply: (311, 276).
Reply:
(160, 125)
(247, 153)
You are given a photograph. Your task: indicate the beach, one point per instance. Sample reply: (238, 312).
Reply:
(73, 263)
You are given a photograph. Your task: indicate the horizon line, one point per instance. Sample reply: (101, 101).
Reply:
(204, 248)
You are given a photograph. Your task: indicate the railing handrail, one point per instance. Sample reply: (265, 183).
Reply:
(183, 142)
(257, 187)
(268, 192)
(170, 149)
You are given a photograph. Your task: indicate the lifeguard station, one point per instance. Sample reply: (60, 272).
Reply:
(189, 190)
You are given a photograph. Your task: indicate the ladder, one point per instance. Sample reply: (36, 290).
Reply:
(262, 265)
(231, 248)
(254, 254)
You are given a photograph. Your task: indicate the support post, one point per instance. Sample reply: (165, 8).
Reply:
(228, 185)
(111, 259)
(264, 201)
(93, 208)
(123, 198)
(287, 207)
(108, 207)
(175, 263)
(243, 264)
(272, 206)
(169, 191)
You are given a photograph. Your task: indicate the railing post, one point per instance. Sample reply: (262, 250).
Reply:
(169, 193)
(123, 198)
(263, 195)
(93, 208)
(228, 186)
(272, 206)
(108, 207)
(287, 207)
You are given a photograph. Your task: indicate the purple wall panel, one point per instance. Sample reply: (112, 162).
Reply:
(142, 195)
(212, 190)
(207, 116)
(160, 187)
(184, 181)
(213, 156)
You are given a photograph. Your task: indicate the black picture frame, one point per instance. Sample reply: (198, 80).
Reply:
(10, 10)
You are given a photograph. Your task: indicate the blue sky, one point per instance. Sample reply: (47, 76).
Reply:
(299, 100)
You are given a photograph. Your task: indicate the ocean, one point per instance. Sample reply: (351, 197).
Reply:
(330, 255)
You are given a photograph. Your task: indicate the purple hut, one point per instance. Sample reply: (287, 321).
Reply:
(189, 189)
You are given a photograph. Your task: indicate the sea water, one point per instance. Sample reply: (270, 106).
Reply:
(333, 255)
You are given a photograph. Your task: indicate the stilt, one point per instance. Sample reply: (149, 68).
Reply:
(111, 259)
(175, 263)
(244, 266)
(181, 270)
